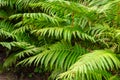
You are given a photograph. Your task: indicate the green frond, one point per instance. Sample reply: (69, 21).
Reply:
(13, 58)
(5, 30)
(57, 56)
(57, 34)
(3, 3)
(10, 60)
(17, 4)
(60, 6)
(38, 16)
(5, 34)
(115, 77)
(22, 29)
(67, 33)
(6, 26)
(9, 45)
(107, 6)
(97, 30)
(88, 65)
(26, 50)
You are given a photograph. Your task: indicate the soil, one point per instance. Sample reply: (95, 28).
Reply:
(3, 77)
(8, 76)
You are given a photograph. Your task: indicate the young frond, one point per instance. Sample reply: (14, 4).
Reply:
(89, 65)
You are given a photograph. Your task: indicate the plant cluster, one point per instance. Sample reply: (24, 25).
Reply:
(71, 39)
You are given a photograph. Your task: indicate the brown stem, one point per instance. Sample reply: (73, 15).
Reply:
(72, 20)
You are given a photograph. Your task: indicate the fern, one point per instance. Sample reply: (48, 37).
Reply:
(19, 4)
(57, 56)
(26, 50)
(13, 58)
(5, 30)
(66, 33)
(9, 45)
(38, 26)
(88, 64)
(5, 34)
(40, 16)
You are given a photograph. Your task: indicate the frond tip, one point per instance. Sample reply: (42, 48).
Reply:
(91, 66)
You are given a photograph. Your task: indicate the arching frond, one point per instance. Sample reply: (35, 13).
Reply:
(13, 58)
(22, 29)
(38, 26)
(88, 65)
(66, 33)
(57, 56)
(38, 16)
(60, 6)
(25, 50)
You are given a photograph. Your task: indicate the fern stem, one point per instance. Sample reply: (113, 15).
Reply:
(72, 20)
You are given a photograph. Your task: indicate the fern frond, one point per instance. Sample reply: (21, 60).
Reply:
(13, 58)
(3, 3)
(5, 34)
(39, 16)
(26, 50)
(57, 56)
(66, 33)
(9, 45)
(97, 30)
(10, 60)
(60, 6)
(88, 64)
(107, 6)
(7, 26)
(22, 29)
(17, 4)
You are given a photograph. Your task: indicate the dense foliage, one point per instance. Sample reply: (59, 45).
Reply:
(71, 39)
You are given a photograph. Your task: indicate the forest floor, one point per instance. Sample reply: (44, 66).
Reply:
(7, 77)
(3, 77)
(13, 77)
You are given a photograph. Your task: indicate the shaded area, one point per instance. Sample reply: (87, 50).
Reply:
(9, 76)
